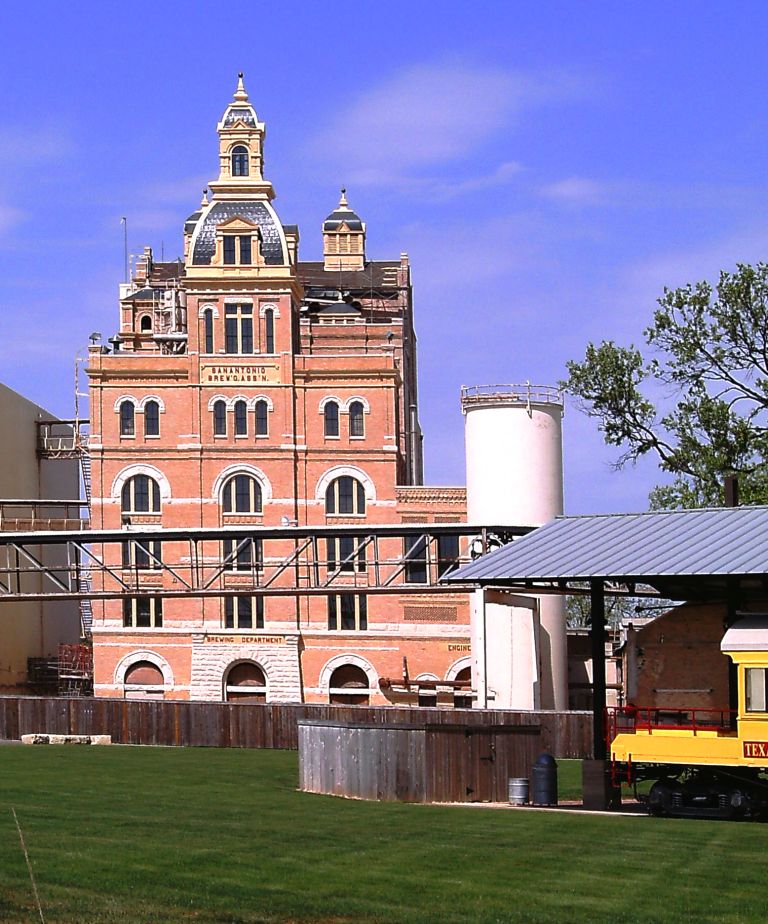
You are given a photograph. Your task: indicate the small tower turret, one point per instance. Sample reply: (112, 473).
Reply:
(241, 151)
(343, 238)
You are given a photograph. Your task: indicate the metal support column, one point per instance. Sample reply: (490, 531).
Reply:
(597, 640)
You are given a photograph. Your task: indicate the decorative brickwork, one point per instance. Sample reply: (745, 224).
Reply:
(430, 614)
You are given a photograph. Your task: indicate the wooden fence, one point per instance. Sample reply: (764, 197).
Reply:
(415, 763)
(255, 725)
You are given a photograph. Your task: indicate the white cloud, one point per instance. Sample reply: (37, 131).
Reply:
(576, 191)
(188, 190)
(434, 188)
(430, 114)
(38, 144)
(9, 217)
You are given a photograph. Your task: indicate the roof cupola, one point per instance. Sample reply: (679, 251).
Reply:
(241, 151)
(343, 238)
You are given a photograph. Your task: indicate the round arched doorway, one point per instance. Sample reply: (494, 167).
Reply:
(245, 682)
(349, 686)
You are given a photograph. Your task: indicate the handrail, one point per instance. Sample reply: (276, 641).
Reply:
(630, 719)
(522, 394)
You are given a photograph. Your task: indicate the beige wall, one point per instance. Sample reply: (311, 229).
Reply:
(31, 629)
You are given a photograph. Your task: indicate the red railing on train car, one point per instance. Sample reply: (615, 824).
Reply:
(629, 719)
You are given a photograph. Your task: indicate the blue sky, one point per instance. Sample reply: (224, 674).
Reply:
(548, 167)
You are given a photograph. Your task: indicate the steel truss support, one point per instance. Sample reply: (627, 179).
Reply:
(280, 561)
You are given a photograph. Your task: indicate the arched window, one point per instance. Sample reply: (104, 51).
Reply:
(208, 330)
(462, 695)
(151, 419)
(331, 418)
(143, 680)
(141, 494)
(262, 418)
(345, 495)
(241, 418)
(356, 421)
(220, 418)
(241, 494)
(127, 419)
(349, 686)
(240, 160)
(245, 683)
(145, 325)
(269, 330)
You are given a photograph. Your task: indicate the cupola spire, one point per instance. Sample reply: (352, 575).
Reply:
(241, 94)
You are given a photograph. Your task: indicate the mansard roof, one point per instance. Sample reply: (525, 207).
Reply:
(257, 211)
(340, 217)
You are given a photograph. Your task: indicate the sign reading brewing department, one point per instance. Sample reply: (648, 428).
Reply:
(255, 373)
(244, 639)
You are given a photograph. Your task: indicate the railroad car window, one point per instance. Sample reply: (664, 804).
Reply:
(756, 687)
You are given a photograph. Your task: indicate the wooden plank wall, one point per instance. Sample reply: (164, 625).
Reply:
(474, 764)
(256, 725)
(415, 763)
(379, 762)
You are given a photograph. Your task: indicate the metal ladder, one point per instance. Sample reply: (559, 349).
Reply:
(84, 574)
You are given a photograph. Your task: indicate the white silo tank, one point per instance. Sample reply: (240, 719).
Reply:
(514, 453)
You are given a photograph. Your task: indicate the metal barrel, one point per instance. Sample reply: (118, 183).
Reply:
(544, 779)
(518, 791)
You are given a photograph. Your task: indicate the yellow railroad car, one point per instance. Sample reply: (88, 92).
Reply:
(703, 762)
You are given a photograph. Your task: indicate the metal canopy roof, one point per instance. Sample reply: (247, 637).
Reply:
(685, 554)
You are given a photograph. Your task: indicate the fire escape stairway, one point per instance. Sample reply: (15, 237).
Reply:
(85, 468)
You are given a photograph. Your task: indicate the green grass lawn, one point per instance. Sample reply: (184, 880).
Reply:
(177, 835)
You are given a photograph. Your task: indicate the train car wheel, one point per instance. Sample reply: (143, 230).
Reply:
(660, 798)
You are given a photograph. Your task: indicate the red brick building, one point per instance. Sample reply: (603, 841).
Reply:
(248, 387)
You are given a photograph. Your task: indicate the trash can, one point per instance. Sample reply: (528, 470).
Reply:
(518, 791)
(544, 781)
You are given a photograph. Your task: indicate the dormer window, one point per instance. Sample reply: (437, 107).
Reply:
(240, 160)
(233, 242)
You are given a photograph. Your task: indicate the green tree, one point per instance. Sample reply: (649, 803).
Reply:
(699, 400)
